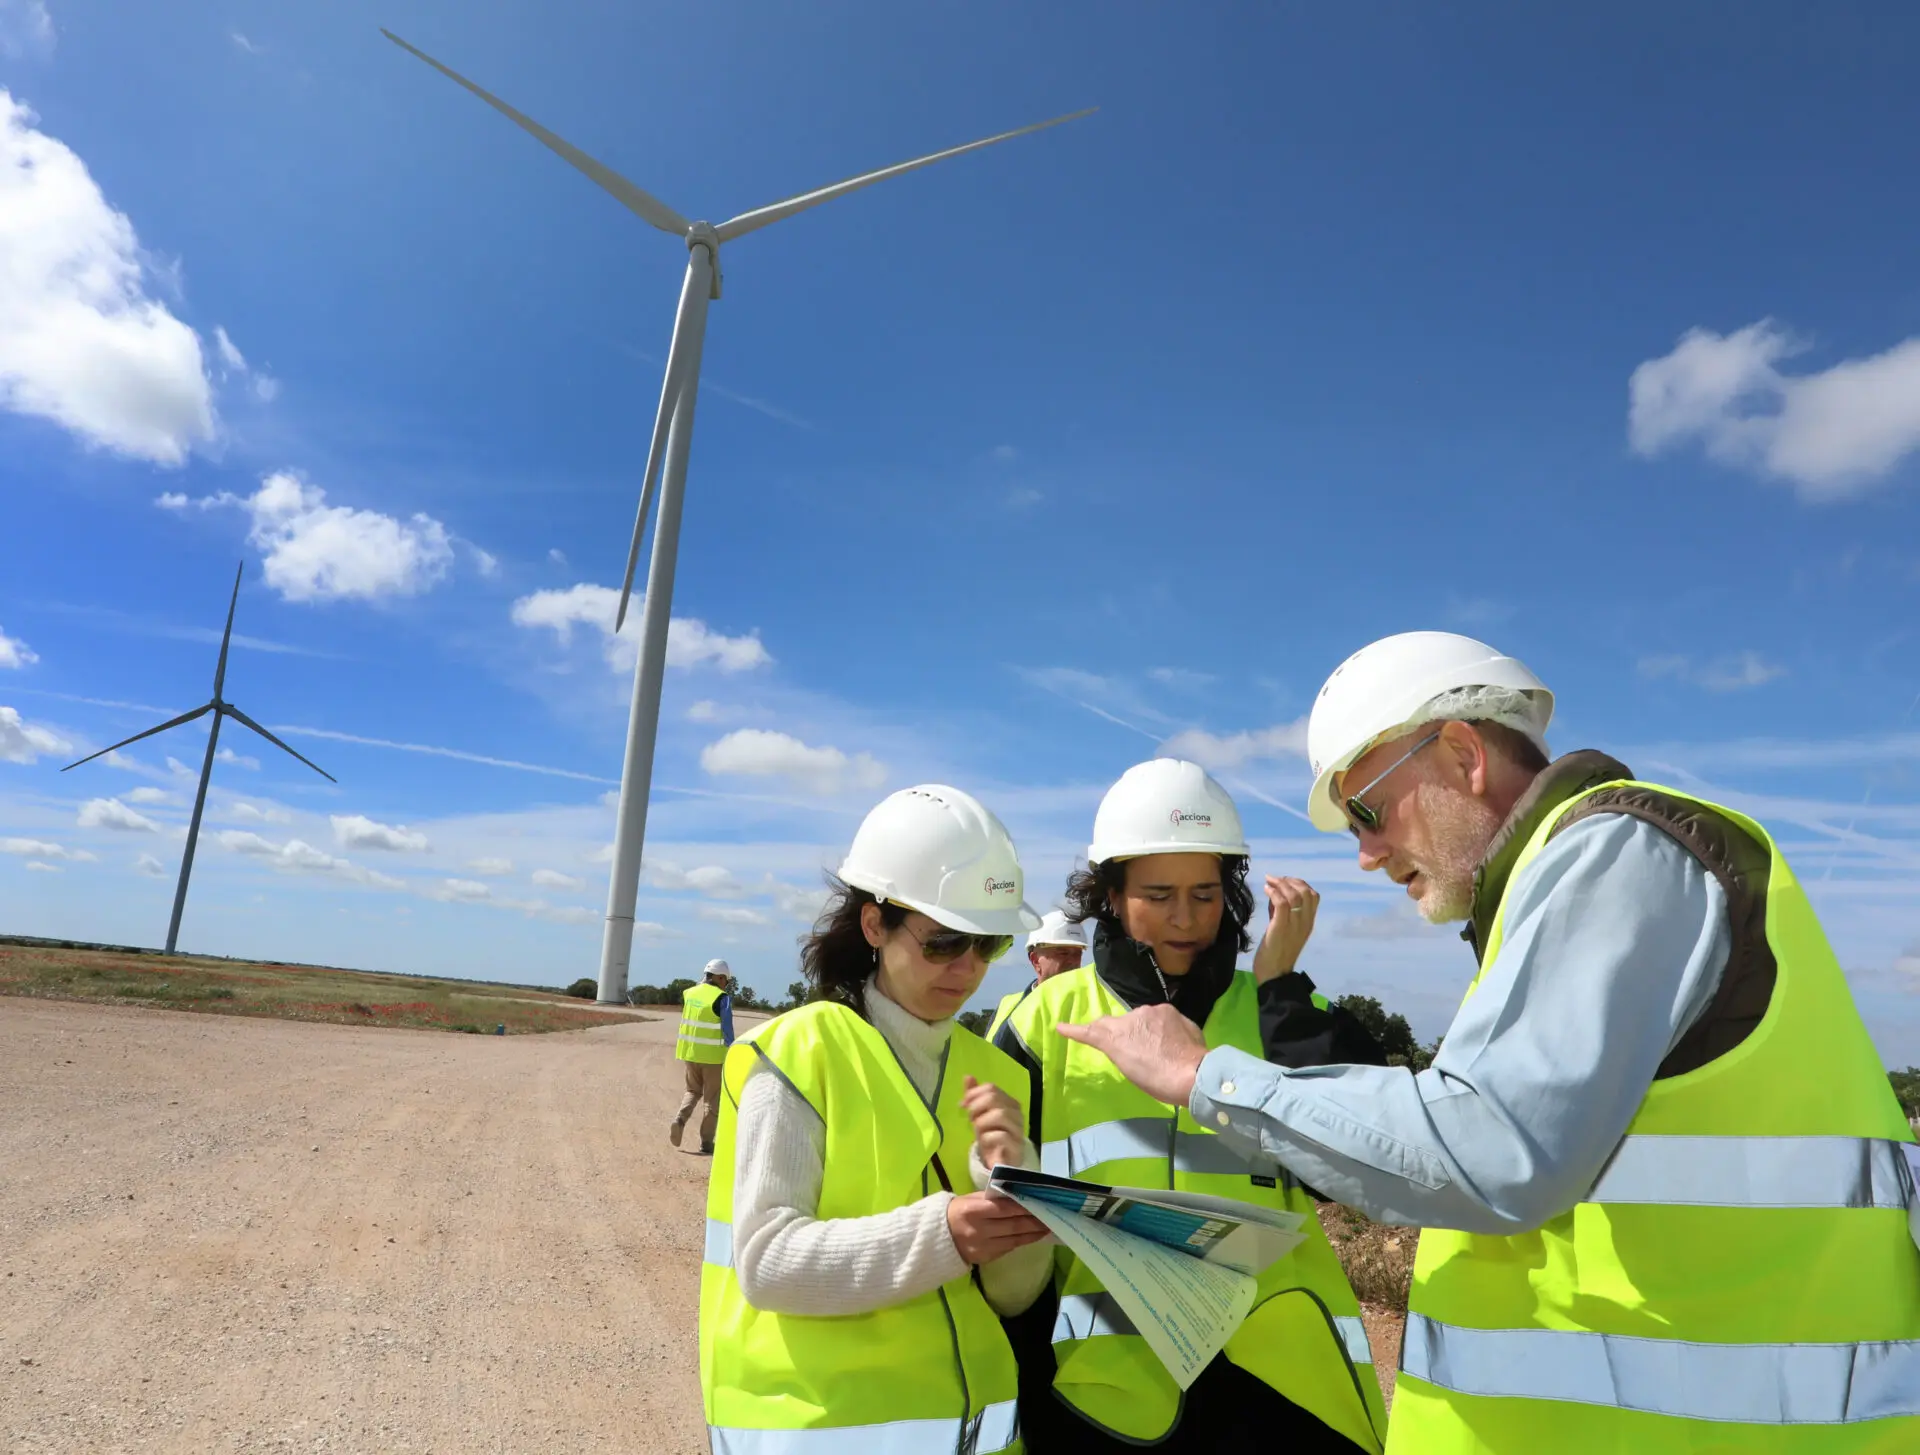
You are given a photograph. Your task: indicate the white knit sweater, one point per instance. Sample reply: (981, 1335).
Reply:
(791, 1262)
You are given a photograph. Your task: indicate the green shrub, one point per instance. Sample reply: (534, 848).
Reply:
(584, 989)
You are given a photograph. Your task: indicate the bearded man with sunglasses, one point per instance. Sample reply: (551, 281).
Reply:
(1668, 1196)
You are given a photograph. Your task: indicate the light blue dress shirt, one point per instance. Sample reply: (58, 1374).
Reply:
(1615, 940)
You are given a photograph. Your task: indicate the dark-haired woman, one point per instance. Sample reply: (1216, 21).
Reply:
(855, 1266)
(1166, 890)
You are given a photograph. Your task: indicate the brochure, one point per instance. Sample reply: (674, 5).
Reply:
(1181, 1265)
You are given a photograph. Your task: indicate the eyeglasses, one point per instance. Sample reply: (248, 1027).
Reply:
(942, 947)
(1360, 814)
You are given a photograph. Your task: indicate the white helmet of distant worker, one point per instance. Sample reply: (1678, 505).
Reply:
(718, 970)
(1057, 929)
(1165, 806)
(940, 851)
(1403, 682)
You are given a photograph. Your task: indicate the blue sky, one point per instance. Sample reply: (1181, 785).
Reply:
(1596, 336)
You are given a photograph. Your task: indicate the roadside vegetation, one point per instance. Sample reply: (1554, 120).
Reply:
(287, 992)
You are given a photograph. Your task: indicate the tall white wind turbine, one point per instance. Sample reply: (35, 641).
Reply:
(672, 438)
(220, 708)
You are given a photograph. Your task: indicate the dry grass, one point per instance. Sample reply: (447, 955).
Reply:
(287, 992)
(1379, 1264)
(1378, 1259)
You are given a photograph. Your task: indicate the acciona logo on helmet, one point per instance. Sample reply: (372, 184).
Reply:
(1181, 816)
(1002, 886)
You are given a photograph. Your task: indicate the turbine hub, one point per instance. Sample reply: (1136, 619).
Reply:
(703, 235)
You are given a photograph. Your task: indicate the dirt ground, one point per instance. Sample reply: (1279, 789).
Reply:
(226, 1234)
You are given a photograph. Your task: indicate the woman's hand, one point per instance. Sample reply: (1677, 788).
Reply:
(985, 1226)
(998, 1127)
(1291, 907)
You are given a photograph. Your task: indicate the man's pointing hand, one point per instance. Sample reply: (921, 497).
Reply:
(1156, 1048)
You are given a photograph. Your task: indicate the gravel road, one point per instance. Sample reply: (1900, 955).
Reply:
(224, 1234)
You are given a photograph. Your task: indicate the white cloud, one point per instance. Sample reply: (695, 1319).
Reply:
(38, 867)
(150, 795)
(1181, 679)
(797, 903)
(732, 915)
(313, 551)
(705, 710)
(15, 653)
(463, 891)
(239, 760)
(230, 354)
(485, 562)
(1284, 740)
(81, 342)
(554, 879)
(151, 867)
(240, 39)
(26, 29)
(297, 856)
(755, 752)
(708, 879)
(1722, 674)
(356, 831)
(690, 641)
(557, 556)
(41, 849)
(111, 813)
(243, 812)
(264, 386)
(491, 866)
(22, 742)
(1833, 433)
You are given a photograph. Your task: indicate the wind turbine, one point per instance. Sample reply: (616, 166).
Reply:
(220, 708)
(672, 439)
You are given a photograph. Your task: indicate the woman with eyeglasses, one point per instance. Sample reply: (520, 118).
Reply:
(1166, 890)
(855, 1264)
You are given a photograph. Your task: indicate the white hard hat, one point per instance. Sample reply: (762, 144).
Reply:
(1165, 806)
(1057, 929)
(938, 850)
(718, 967)
(1383, 688)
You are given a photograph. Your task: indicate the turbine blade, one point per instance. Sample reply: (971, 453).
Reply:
(240, 717)
(641, 203)
(226, 637)
(748, 222)
(174, 723)
(670, 385)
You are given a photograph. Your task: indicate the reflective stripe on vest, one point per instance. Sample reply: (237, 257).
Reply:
(719, 1249)
(1759, 1172)
(993, 1429)
(1759, 1384)
(1203, 1153)
(1353, 1333)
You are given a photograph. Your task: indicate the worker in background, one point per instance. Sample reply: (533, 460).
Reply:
(855, 1263)
(1166, 892)
(706, 1030)
(1667, 1191)
(1057, 945)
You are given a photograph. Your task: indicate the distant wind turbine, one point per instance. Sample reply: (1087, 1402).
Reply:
(220, 708)
(672, 439)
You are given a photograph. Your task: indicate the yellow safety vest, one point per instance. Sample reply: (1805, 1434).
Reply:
(702, 1038)
(1741, 1278)
(1007, 1004)
(1304, 1336)
(934, 1373)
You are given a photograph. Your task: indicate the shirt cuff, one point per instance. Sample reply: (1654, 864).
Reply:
(1230, 1089)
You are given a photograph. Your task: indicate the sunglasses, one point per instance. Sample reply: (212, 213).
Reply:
(1361, 814)
(942, 947)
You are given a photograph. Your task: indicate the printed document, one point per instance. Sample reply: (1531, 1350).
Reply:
(1180, 1265)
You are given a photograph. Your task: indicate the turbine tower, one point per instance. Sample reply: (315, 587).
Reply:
(672, 439)
(220, 708)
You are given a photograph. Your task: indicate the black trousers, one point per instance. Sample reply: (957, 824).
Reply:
(1226, 1409)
